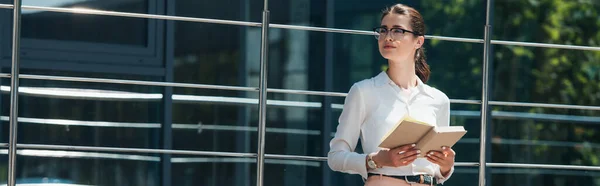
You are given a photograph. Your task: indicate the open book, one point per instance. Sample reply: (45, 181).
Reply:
(427, 137)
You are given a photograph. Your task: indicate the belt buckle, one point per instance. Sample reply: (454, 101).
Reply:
(409, 182)
(421, 180)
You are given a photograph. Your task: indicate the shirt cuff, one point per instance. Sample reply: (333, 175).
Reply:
(441, 179)
(357, 164)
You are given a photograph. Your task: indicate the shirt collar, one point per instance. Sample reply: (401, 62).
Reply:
(383, 79)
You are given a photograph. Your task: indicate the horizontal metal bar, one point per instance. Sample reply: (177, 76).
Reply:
(138, 15)
(77, 154)
(296, 27)
(279, 156)
(135, 150)
(68, 122)
(85, 94)
(245, 160)
(544, 45)
(543, 105)
(560, 172)
(466, 164)
(6, 6)
(465, 101)
(322, 29)
(533, 116)
(254, 89)
(457, 39)
(307, 92)
(236, 100)
(543, 166)
(295, 157)
(136, 82)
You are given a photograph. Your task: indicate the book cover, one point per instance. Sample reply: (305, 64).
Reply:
(427, 137)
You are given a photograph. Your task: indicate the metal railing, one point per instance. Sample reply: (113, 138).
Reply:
(265, 24)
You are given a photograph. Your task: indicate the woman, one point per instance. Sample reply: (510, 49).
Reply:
(373, 106)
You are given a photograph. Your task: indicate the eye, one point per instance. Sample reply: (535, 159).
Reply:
(397, 30)
(381, 30)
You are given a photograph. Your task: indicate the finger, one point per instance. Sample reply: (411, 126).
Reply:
(405, 147)
(407, 156)
(407, 160)
(432, 160)
(436, 156)
(408, 152)
(448, 151)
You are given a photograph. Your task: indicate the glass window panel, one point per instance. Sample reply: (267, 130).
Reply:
(213, 171)
(468, 116)
(4, 110)
(5, 38)
(294, 125)
(87, 28)
(557, 22)
(545, 136)
(238, 10)
(455, 67)
(543, 75)
(4, 166)
(86, 168)
(295, 172)
(297, 61)
(539, 177)
(216, 54)
(446, 18)
(133, 6)
(68, 73)
(462, 176)
(110, 115)
(214, 120)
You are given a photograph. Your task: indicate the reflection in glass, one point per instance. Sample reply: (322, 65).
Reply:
(87, 28)
(86, 168)
(214, 171)
(64, 113)
(294, 172)
(299, 127)
(214, 120)
(216, 54)
(554, 136)
(540, 177)
(238, 10)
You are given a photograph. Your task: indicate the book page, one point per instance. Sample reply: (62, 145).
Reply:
(407, 131)
(441, 136)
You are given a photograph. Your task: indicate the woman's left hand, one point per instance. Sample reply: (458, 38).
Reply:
(444, 158)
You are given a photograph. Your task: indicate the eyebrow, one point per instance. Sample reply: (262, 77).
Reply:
(395, 26)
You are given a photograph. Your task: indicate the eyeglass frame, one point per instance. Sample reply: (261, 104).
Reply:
(389, 30)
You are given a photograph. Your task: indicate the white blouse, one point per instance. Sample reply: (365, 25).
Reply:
(371, 109)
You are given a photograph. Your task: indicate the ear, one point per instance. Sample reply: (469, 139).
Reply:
(420, 42)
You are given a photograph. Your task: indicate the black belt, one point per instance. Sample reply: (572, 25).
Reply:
(422, 179)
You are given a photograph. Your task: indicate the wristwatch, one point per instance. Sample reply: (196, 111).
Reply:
(371, 163)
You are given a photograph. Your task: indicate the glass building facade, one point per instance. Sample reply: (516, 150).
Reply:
(167, 92)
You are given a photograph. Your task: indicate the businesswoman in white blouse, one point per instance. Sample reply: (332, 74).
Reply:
(373, 106)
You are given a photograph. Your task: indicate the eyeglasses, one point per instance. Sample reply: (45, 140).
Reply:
(397, 33)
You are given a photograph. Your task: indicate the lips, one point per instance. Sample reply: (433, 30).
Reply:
(388, 47)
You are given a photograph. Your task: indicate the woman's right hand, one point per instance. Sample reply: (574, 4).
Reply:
(396, 157)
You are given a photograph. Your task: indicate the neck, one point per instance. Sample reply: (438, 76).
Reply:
(402, 73)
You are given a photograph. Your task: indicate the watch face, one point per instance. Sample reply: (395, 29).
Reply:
(372, 164)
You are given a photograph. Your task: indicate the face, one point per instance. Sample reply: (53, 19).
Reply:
(400, 47)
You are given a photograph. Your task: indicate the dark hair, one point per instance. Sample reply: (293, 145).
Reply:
(418, 26)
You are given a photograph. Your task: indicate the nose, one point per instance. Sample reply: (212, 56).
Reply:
(388, 37)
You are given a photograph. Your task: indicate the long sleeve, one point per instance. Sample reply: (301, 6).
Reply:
(341, 156)
(443, 119)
